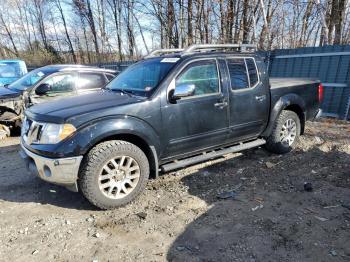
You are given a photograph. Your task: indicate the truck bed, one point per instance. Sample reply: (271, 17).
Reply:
(279, 82)
(305, 88)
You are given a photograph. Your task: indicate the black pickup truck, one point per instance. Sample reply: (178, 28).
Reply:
(165, 112)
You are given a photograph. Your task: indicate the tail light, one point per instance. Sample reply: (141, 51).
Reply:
(320, 93)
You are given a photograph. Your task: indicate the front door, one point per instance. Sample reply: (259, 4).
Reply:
(60, 85)
(199, 121)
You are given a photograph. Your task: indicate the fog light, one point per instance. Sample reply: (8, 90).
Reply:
(47, 171)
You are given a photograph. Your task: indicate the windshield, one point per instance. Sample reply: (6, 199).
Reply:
(143, 77)
(28, 80)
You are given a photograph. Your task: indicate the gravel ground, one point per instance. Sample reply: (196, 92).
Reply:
(182, 216)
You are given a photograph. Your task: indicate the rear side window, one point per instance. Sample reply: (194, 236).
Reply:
(252, 72)
(91, 81)
(203, 75)
(238, 73)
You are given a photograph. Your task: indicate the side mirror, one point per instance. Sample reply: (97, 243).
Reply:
(42, 89)
(183, 90)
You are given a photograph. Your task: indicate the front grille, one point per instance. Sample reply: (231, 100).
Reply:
(31, 131)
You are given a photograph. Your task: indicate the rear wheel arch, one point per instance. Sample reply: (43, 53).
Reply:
(290, 102)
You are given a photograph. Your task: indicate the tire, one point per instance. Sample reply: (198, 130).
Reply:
(107, 164)
(274, 142)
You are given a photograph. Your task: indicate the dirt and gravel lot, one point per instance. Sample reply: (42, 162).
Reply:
(268, 216)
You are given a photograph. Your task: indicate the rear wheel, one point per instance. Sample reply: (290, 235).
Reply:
(285, 133)
(113, 174)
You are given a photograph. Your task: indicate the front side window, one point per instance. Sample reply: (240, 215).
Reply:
(91, 81)
(238, 73)
(61, 84)
(203, 75)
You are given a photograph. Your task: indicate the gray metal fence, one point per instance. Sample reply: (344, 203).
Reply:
(118, 66)
(330, 64)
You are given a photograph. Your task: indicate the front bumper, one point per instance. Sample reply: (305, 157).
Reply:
(61, 171)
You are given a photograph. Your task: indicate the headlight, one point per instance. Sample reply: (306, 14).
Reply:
(54, 133)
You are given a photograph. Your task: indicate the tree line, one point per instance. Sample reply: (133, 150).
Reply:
(93, 31)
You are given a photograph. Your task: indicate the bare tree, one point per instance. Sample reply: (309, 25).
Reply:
(59, 7)
(9, 33)
(104, 30)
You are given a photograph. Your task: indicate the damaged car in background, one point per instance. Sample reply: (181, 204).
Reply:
(47, 84)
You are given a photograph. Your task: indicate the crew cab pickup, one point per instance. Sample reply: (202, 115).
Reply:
(173, 109)
(46, 84)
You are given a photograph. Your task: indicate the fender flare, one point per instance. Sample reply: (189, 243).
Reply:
(117, 127)
(293, 101)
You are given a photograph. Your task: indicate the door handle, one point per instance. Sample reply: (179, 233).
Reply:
(221, 104)
(260, 98)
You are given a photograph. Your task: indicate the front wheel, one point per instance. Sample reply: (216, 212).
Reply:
(285, 133)
(113, 174)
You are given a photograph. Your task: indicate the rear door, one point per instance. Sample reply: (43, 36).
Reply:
(249, 99)
(199, 121)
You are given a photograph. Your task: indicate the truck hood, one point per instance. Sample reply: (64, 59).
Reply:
(8, 93)
(59, 111)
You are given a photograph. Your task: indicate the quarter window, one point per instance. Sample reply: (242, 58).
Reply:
(238, 73)
(252, 72)
(203, 75)
(110, 77)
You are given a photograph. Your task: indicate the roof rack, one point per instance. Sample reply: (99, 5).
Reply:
(159, 52)
(244, 48)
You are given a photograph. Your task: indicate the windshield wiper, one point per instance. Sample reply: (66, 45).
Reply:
(127, 92)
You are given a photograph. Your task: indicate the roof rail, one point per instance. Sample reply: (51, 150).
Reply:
(213, 47)
(159, 52)
(244, 48)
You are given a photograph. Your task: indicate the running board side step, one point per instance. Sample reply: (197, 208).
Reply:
(212, 154)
